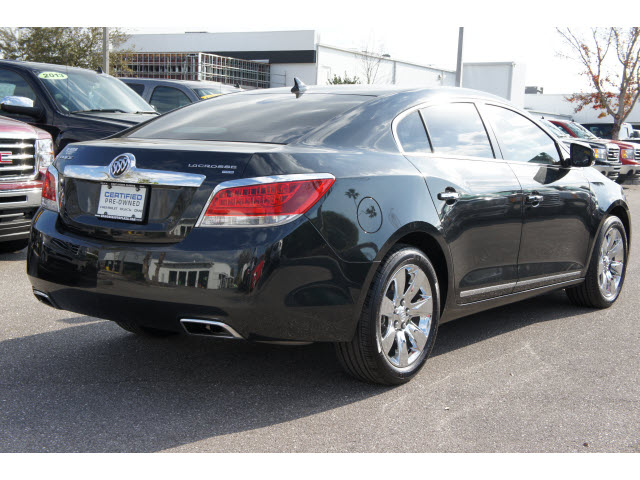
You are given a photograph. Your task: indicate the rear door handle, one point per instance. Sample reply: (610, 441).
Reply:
(449, 195)
(534, 199)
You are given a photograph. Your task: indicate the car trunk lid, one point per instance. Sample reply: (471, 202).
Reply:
(172, 179)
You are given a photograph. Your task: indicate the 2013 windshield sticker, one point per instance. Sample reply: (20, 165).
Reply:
(52, 75)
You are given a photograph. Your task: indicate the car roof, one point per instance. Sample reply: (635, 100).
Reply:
(382, 90)
(187, 83)
(43, 66)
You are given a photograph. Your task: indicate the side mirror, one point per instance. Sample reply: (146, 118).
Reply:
(20, 106)
(581, 155)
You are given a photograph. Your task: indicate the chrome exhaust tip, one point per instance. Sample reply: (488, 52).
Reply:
(209, 328)
(44, 298)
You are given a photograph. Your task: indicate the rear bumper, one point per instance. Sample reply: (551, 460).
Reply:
(281, 283)
(17, 208)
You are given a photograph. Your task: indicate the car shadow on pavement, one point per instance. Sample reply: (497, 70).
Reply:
(481, 326)
(19, 256)
(96, 388)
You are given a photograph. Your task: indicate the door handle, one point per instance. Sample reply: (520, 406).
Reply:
(534, 199)
(449, 195)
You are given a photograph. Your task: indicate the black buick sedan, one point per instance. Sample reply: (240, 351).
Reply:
(360, 216)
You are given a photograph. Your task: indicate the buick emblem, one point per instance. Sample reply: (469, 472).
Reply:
(121, 164)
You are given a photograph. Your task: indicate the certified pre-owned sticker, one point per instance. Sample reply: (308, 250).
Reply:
(52, 75)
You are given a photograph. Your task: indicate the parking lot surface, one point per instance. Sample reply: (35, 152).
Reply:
(536, 376)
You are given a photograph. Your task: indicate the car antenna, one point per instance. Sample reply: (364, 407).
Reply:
(99, 70)
(299, 87)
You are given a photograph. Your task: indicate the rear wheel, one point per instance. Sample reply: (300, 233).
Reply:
(399, 321)
(607, 268)
(144, 331)
(13, 245)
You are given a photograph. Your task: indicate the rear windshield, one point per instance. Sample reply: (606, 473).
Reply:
(261, 118)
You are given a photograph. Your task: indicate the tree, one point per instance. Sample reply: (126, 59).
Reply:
(338, 80)
(73, 46)
(611, 61)
(370, 63)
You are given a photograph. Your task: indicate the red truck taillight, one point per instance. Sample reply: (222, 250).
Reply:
(50, 190)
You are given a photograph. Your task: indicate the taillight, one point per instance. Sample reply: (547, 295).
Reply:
(49, 190)
(265, 200)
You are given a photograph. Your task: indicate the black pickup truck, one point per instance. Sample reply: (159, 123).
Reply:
(72, 104)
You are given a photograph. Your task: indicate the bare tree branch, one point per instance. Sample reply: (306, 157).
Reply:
(615, 88)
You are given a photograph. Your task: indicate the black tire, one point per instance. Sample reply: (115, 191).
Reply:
(144, 331)
(13, 245)
(362, 356)
(588, 293)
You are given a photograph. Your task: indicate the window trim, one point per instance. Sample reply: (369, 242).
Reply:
(472, 101)
(426, 130)
(559, 152)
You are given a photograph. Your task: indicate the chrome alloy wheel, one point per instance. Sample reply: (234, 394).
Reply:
(405, 315)
(611, 264)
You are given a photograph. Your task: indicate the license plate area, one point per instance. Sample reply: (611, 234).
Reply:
(122, 201)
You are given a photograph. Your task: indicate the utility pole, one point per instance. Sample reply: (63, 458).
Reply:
(105, 49)
(459, 63)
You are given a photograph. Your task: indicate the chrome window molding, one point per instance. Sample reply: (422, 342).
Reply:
(478, 104)
(134, 175)
(245, 182)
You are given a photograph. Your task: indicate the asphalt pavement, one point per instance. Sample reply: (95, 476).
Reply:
(536, 376)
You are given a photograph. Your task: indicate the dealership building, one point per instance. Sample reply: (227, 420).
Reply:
(273, 59)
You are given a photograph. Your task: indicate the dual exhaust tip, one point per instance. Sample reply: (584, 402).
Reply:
(209, 328)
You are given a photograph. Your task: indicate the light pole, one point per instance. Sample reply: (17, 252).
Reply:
(105, 49)
(459, 63)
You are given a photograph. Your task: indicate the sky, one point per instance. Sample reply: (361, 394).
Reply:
(420, 31)
(535, 47)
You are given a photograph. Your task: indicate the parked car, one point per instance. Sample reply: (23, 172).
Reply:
(604, 130)
(607, 153)
(25, 154)
(72, 104)
(327, 213)
(629, 147)
(167, 95)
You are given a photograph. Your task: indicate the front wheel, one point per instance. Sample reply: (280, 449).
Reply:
(607, 268)
(399, 321)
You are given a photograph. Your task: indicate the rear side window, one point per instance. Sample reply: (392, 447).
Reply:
(456, 129)
(136, 87)
(168, 98)
(520, 139)
(412, 135)
(261, 117)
